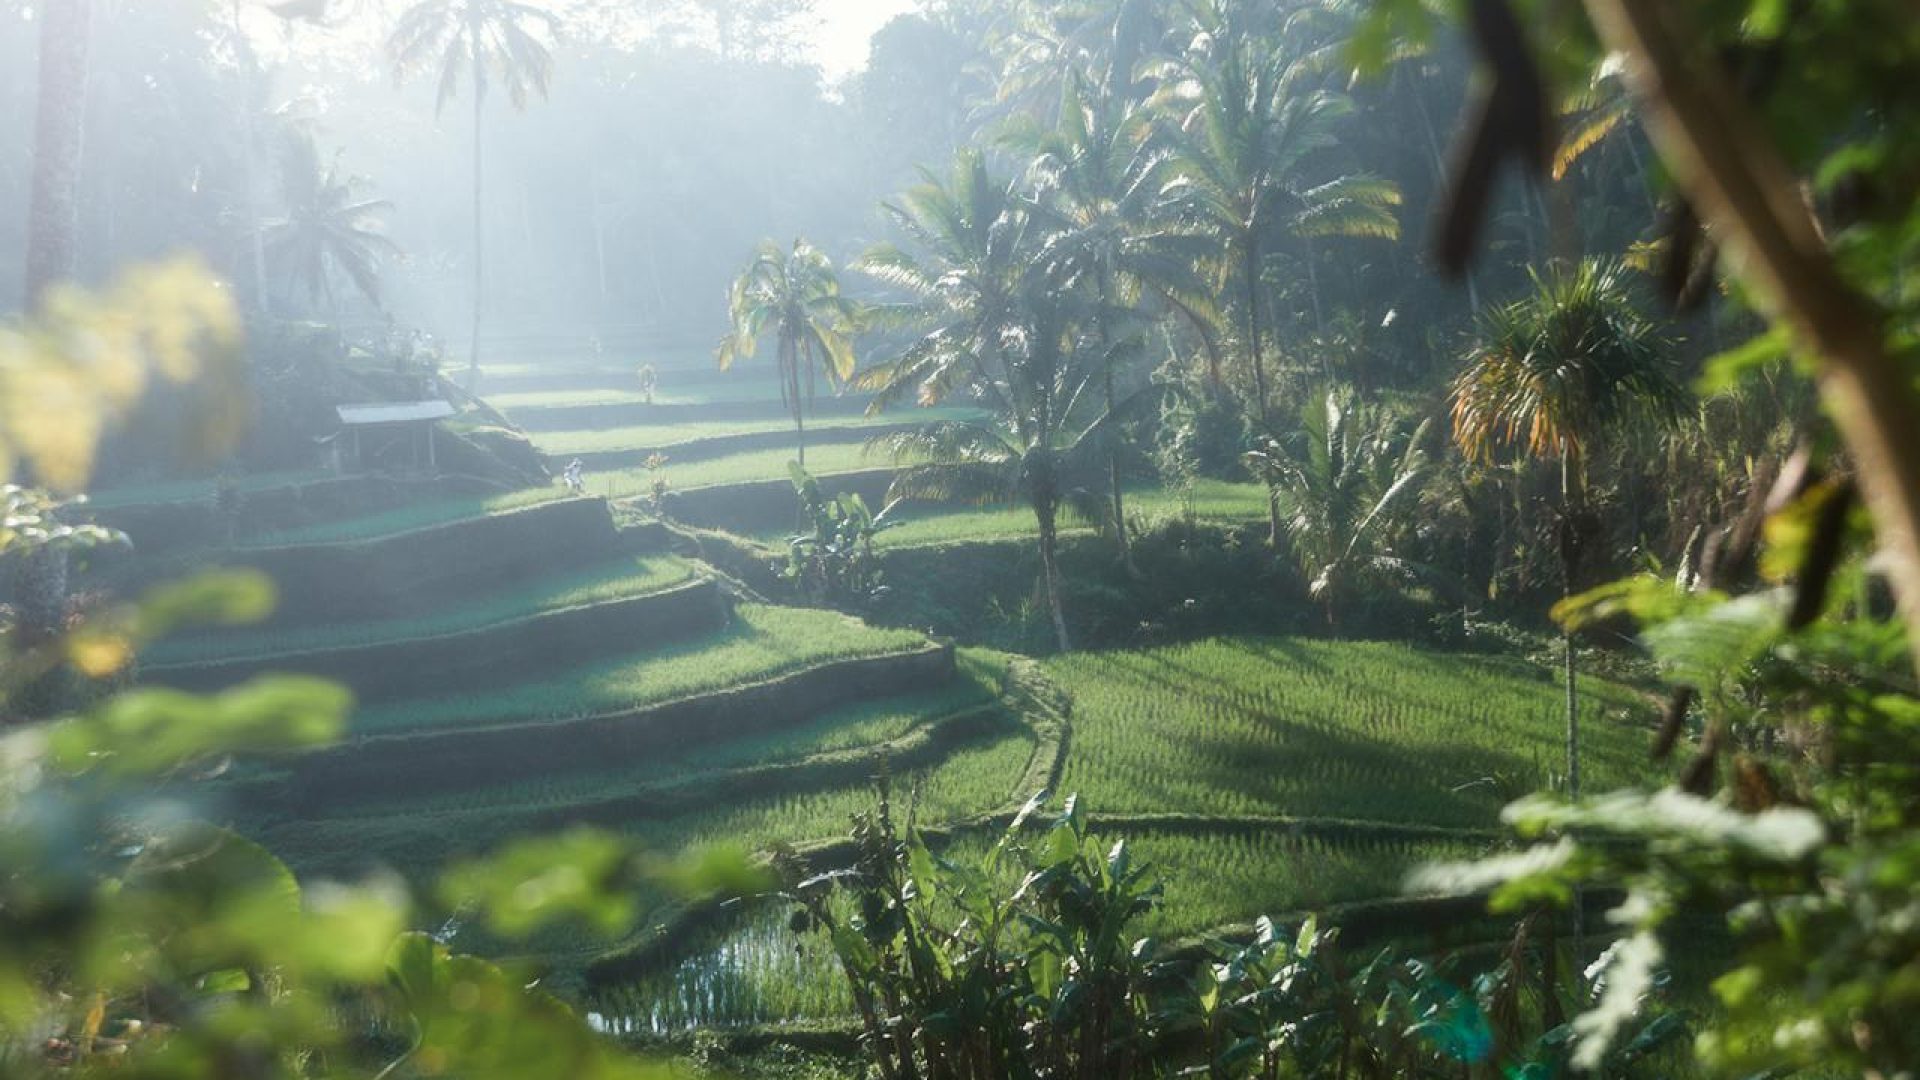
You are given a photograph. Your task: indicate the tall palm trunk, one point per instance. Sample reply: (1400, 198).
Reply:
(1123, 545)
(1313, 289)
(1567, 561)
(1045, 496)
(1046, 512)
(1250, 271)
(257, 247)
(40, 578)
(53, 216)
(479, 228)
(790, 369)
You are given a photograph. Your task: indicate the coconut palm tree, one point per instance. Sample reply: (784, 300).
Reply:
(1027, 452)
(960, 286)
(1549, 375)
(327, 229)
(794, 295)
(481, 41)
(1109, 230)
(1347, 481)
(994, 326)
(1254, 124)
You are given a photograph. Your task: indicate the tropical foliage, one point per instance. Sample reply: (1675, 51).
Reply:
(795, 296)
(1346, 487)
(482, 42)
(328, 231)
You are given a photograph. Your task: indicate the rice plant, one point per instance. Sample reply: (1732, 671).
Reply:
(663, 436)
(616, 579)
(762, 643)
(407, 518)
(1370, 730)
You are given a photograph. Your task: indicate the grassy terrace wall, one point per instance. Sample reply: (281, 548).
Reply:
(414, 571)
(397, 765)
(491, 656)
(768, 505)
(538, 418)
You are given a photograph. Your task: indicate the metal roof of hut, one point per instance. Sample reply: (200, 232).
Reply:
(394, 412)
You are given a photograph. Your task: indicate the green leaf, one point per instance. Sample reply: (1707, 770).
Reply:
(581, 874)
(153, 731)
(217, 598)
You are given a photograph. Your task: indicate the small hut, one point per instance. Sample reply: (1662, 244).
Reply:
(397, 434)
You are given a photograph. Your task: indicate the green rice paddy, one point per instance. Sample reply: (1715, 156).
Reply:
(664, 436)
(931, 525)
(867, 726)
(616, 579)
(1194, 753)
(744, 468)
(762, 643)
(1282, 726)
(203, 489)
(409, 518)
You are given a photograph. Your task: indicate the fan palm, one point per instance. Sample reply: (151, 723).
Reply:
(1346, 482)
(1549, 375)
(794, 295)
(327, 229)
(479, 40)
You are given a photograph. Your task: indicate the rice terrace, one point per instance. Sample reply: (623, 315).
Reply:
(958, 539)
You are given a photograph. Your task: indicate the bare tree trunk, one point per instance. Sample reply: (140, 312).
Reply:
(1734, 176)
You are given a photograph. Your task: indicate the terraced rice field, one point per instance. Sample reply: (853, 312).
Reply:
(762, 643)
(198, 490)
(665, 436)
(1251, 726)
(1258, 775)
(1210, 501)
(633, 575)
(744, 468)
(421, 515)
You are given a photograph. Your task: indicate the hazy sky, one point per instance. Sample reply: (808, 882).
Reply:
(845, 27)
(840, 44)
